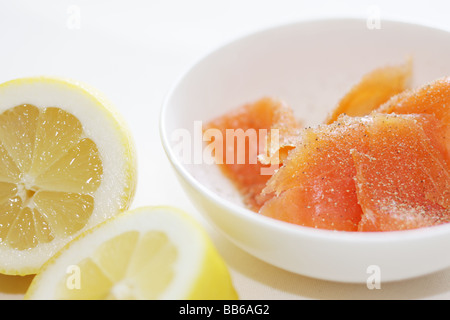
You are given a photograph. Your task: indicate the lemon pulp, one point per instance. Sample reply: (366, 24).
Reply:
(144, 270)
(48, 174)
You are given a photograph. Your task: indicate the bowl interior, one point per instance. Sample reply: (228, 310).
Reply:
(310, 65)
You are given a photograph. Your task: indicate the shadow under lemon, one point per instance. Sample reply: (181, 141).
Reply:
(16, 285)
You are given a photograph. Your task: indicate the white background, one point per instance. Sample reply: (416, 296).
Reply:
(134, 51)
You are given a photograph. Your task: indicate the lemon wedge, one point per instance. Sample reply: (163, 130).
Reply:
(145, 253)
(67, 163)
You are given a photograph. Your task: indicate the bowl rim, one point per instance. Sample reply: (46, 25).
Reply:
(254, 217)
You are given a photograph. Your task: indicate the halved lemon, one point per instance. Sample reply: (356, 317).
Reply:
(67, 163)
(146, 253)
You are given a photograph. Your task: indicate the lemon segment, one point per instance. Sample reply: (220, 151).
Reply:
(57, 132)
(18, 132)
(146, 253)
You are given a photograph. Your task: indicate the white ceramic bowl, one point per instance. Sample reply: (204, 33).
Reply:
(310, 65)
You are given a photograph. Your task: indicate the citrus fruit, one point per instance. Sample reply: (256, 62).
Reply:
(67, 163)
(374, 89)
(145, 253)
(247, 147)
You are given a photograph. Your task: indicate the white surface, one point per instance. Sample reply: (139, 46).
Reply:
(133, 51)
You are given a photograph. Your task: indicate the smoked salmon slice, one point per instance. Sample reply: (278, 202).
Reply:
(246, 133)
(374, 89)
(375, 173)
(316, 186)
(433, 98)
(402, 179)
